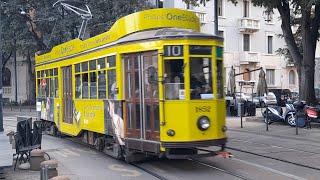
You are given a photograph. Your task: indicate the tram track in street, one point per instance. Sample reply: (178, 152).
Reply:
(219, 169)
(273, 158)
(136, 165)
(157, 175)
(276, 146)
(271, 135)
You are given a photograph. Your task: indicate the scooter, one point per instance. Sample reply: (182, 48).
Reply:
(275, 114)
(312, 114)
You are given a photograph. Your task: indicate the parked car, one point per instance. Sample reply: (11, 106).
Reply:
(262, 101)
(242, 96)
(282, 95)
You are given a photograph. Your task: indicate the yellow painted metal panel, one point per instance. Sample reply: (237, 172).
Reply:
(178, 115)
(89, 115)
(144, 20)
(182, 117)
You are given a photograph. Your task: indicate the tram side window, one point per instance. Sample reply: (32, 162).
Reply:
(85, 89)
(220, 79)
(40, 89)
(102, 84)
(201, 78)
(78, 86)
(93, 85)
(111, 61)
(47, 87)
(52, 87)
(112, 86)
(56, 90)
(174, 79)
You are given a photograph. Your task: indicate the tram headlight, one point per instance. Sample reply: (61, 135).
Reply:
(203, 123)
(171, 132)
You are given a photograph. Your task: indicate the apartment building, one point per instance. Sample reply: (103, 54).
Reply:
(21, 81)
(250, 40)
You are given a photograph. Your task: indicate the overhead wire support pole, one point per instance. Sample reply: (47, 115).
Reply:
(85, 14)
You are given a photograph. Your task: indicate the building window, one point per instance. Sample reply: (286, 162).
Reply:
(246, 42)
(246, 75)
(220, 33)
(270, 43)
(220, 7)
(270, 76)
(245, 8)
(189, 6)
(6, 79)
(269, 17)
(292, 77)
(159, 3)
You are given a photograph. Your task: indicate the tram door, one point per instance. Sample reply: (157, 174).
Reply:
(67, 95)
(142, 95)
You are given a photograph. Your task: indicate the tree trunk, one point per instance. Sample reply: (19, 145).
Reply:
(32, 87)
(306, 83)
(306, 86)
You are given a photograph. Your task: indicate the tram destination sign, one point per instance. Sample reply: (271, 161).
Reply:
(173, 51)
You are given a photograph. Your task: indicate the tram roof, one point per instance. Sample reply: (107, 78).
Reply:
(165, 33)
(148, 24)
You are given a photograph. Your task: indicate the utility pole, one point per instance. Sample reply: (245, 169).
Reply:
(15, 72)
(1, 89)
(216, 29)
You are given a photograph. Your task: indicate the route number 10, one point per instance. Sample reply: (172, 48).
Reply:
(173, 51)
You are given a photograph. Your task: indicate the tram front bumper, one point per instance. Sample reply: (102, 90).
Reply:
(187, 150)
(195, 144)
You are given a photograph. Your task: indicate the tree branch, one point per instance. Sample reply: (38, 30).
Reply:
(41, 45)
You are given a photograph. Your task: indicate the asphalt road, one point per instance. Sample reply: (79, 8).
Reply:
(80, 162)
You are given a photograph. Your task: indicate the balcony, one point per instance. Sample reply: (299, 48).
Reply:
(249, 25)
(289, 63)
(249, 57)
(201, 15)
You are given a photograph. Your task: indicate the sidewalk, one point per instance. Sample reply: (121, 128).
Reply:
(255, 125)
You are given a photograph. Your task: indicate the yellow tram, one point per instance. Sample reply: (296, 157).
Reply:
(151, 85)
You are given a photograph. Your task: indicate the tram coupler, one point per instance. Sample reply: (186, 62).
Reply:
(224, 154)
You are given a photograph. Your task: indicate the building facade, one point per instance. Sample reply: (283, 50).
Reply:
(250, 41)
(21, 81)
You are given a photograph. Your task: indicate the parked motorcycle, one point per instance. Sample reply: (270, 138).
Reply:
(312, 113)
(275, 114)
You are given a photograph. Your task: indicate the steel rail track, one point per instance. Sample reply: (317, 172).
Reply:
(273, 158)
(271, 135)
(219, 169)
(132, 164)
(148, 171)
(277, 146)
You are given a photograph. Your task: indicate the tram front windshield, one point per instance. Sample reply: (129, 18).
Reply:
(200, 78)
